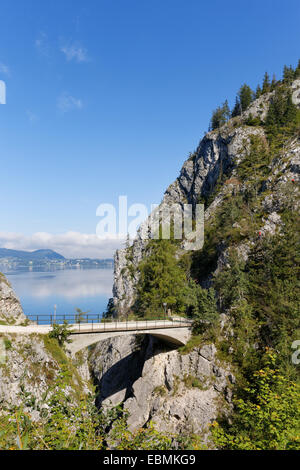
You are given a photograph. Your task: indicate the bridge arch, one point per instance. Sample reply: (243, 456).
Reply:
(175, 336)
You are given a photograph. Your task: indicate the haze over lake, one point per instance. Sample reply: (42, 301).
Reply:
(39, 291)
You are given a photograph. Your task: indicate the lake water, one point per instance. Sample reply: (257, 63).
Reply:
(68, 289)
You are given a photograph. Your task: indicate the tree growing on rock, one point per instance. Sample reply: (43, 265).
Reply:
(245, 96)
(219, 116)
(162, 280)
(266, 83)
(61, 333)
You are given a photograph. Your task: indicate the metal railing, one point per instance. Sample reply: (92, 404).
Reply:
(95, 323)
(74, 318)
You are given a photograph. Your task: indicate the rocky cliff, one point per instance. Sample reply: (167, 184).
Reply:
(179, 393)
(10, 308)
(30, 366)
(220, 151)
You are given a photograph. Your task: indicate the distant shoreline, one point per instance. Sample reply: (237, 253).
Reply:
(50, 268)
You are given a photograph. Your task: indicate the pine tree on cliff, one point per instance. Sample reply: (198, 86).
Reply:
(237, 108)
(219, 116)
(258, 91)
(282, 110)
(273, 82)
(291, 110)
(226, 110)
(288, 74)
(297, 71)
(162, 280)
(266, 83)
(245, 96)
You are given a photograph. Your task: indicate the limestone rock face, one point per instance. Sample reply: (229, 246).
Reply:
(116, 363)
(221, 149)
(11, 311)
(179, 393)
(296, 91)
(28, 368)
(198, 177)
(25, 359)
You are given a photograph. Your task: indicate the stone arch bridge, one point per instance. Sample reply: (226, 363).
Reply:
(172, 331)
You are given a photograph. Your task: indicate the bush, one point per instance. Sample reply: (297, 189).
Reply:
(61, 333)
(267, 417)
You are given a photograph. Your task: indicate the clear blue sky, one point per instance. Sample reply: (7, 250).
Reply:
(108, 97)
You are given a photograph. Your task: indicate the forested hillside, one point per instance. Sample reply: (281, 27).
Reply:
(242, 287)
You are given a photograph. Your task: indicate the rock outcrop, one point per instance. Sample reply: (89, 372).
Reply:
(220, 150)
(30, 364)
(11, 312)
(197, 179)
(29, 367)
(179, 393)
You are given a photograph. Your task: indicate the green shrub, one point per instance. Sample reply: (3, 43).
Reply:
(61, 333)
(7, 344)
(267, 417)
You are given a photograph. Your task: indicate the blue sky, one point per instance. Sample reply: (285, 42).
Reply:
(108, 97)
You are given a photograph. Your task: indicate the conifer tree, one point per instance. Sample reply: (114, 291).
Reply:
(219, 116)
(291, 110)
(226, 110)
(273, 82)
(245, 95)
(266, 83)
(162, 280)
(297, 70)
(273, 267)
(237, 108)
(258, 91)
(288, 74)
(282, 110)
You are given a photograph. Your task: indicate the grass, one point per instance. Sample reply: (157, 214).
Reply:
(160, 390)
(192, 382)
(176, 383)
(64, 362)
(10, 323)
(194, 342)
(7, 344)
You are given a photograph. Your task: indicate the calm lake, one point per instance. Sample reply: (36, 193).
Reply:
(68, 289)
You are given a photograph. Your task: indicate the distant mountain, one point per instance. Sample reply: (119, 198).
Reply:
(31, 255)
(14, 259)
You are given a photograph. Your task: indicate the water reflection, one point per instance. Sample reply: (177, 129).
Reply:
(83, 288)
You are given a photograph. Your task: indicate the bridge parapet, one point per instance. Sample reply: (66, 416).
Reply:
(175, 331)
